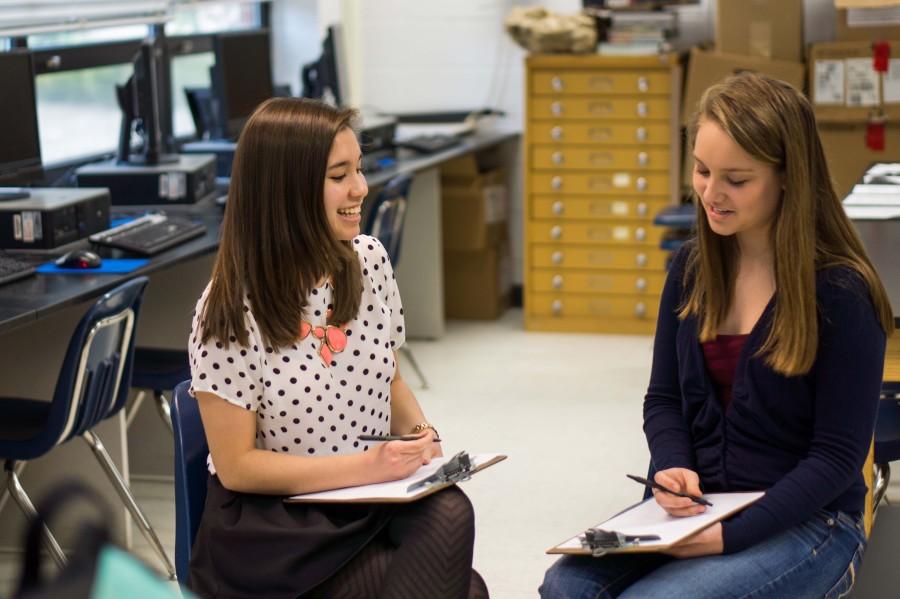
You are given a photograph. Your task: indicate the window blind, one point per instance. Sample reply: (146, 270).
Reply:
(26, 17)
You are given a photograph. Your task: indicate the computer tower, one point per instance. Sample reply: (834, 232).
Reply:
(187, 181)
(51, 217)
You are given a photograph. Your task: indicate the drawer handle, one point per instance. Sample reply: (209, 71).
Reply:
(601, 159)
(557, 84)
(602, 108)
(557, 281)
(641, 284)
(640, 233)
(599, 133)
(599, 82)
(556, 258)
(555, 232)
(558, 208)
(641, 184)
(641, 259)
(556, 133)
(641, 134)
(642, 109)
(640, 310)
(643, 84)
(556, 307)
(643, 159)
(557, 158)
(642, 209)
(556, 108)
(556, 182)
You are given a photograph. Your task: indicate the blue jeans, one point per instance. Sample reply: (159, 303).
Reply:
(817, 559)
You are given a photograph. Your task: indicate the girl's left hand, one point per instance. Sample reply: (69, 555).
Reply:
(706, 542)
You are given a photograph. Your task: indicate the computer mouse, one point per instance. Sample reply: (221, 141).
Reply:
(79, 259)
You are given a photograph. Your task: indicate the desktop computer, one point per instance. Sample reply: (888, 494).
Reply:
(52, 217)
(187, 181)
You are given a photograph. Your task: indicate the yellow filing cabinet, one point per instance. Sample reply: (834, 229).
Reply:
(602, 145)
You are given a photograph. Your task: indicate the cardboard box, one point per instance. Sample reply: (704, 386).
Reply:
(707, 68)
(474, 215)
(844, 86)
(769, 29)
(867, 24)
(477, 285)
(849, 157)
(462, 170)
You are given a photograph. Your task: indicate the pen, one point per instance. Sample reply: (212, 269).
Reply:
(655, 485)
(393, 438)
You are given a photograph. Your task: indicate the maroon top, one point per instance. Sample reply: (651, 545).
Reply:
(721, 361)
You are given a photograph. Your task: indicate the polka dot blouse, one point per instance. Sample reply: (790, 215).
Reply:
(303, 406)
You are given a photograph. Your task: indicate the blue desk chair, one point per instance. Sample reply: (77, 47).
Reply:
(887, 439)
(92, 386)
(157, 371)
(191, 475)
(385, 223)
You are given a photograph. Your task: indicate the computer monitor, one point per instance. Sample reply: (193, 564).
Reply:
(20, 146)
(327, 75)
(241, 77)
(139, 101)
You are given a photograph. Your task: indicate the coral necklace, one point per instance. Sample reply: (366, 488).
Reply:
(332, 338)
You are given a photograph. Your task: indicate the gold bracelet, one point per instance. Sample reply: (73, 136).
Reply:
(423, 426)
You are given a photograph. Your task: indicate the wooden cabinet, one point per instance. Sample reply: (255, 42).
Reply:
(602, 147)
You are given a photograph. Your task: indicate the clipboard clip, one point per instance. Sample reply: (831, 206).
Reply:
(600, 541)
(456, 469)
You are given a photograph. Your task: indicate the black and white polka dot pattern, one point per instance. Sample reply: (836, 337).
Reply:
(302, 406)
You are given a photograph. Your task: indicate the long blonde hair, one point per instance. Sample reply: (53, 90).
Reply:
(774, 123)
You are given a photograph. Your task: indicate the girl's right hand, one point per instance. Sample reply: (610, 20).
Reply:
(398, 459)
(680, 480)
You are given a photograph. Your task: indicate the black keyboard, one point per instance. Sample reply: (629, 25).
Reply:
(429, 144)
(150, 234)
(12, 269)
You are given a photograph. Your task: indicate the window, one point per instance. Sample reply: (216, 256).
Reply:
(78, 114)
(88, 36)
(211, 19)
(191, 70)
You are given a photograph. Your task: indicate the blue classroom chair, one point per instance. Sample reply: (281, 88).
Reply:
(191, 474)
(92, 386)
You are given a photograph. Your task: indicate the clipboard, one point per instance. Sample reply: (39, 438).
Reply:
(633, 530)
(398, 491)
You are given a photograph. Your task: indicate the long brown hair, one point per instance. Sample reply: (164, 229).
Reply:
(774, 123)
(276, 241)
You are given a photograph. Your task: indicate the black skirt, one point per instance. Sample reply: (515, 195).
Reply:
(258, 546)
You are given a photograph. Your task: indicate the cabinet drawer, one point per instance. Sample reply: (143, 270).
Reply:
(566, 257)
(584, 132)
(565, 304)
(600, 82)
(604, 183)
(566, 208)
(595, 232)
(598, 281)
(581, 158)
(627, 108)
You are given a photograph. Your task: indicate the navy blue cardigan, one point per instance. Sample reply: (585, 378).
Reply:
(802, 439)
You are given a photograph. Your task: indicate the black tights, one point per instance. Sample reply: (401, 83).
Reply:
(425, 551)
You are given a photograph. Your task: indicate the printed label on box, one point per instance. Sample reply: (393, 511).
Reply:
(495, 204)
(829, 82)
(892, 82)
(17, 227)
(862, 82)
(761, 38)
(31, 226)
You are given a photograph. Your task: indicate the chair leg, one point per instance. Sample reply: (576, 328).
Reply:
(162, 406)
(128, 499)
(132, 410)
(17, 467)
(882, 479)
(24, 502)
(408, 355)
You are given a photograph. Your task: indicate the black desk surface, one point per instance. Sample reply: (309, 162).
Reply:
(31, 298)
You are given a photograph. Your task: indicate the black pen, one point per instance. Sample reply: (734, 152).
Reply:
(393, 438)
(655, 485)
